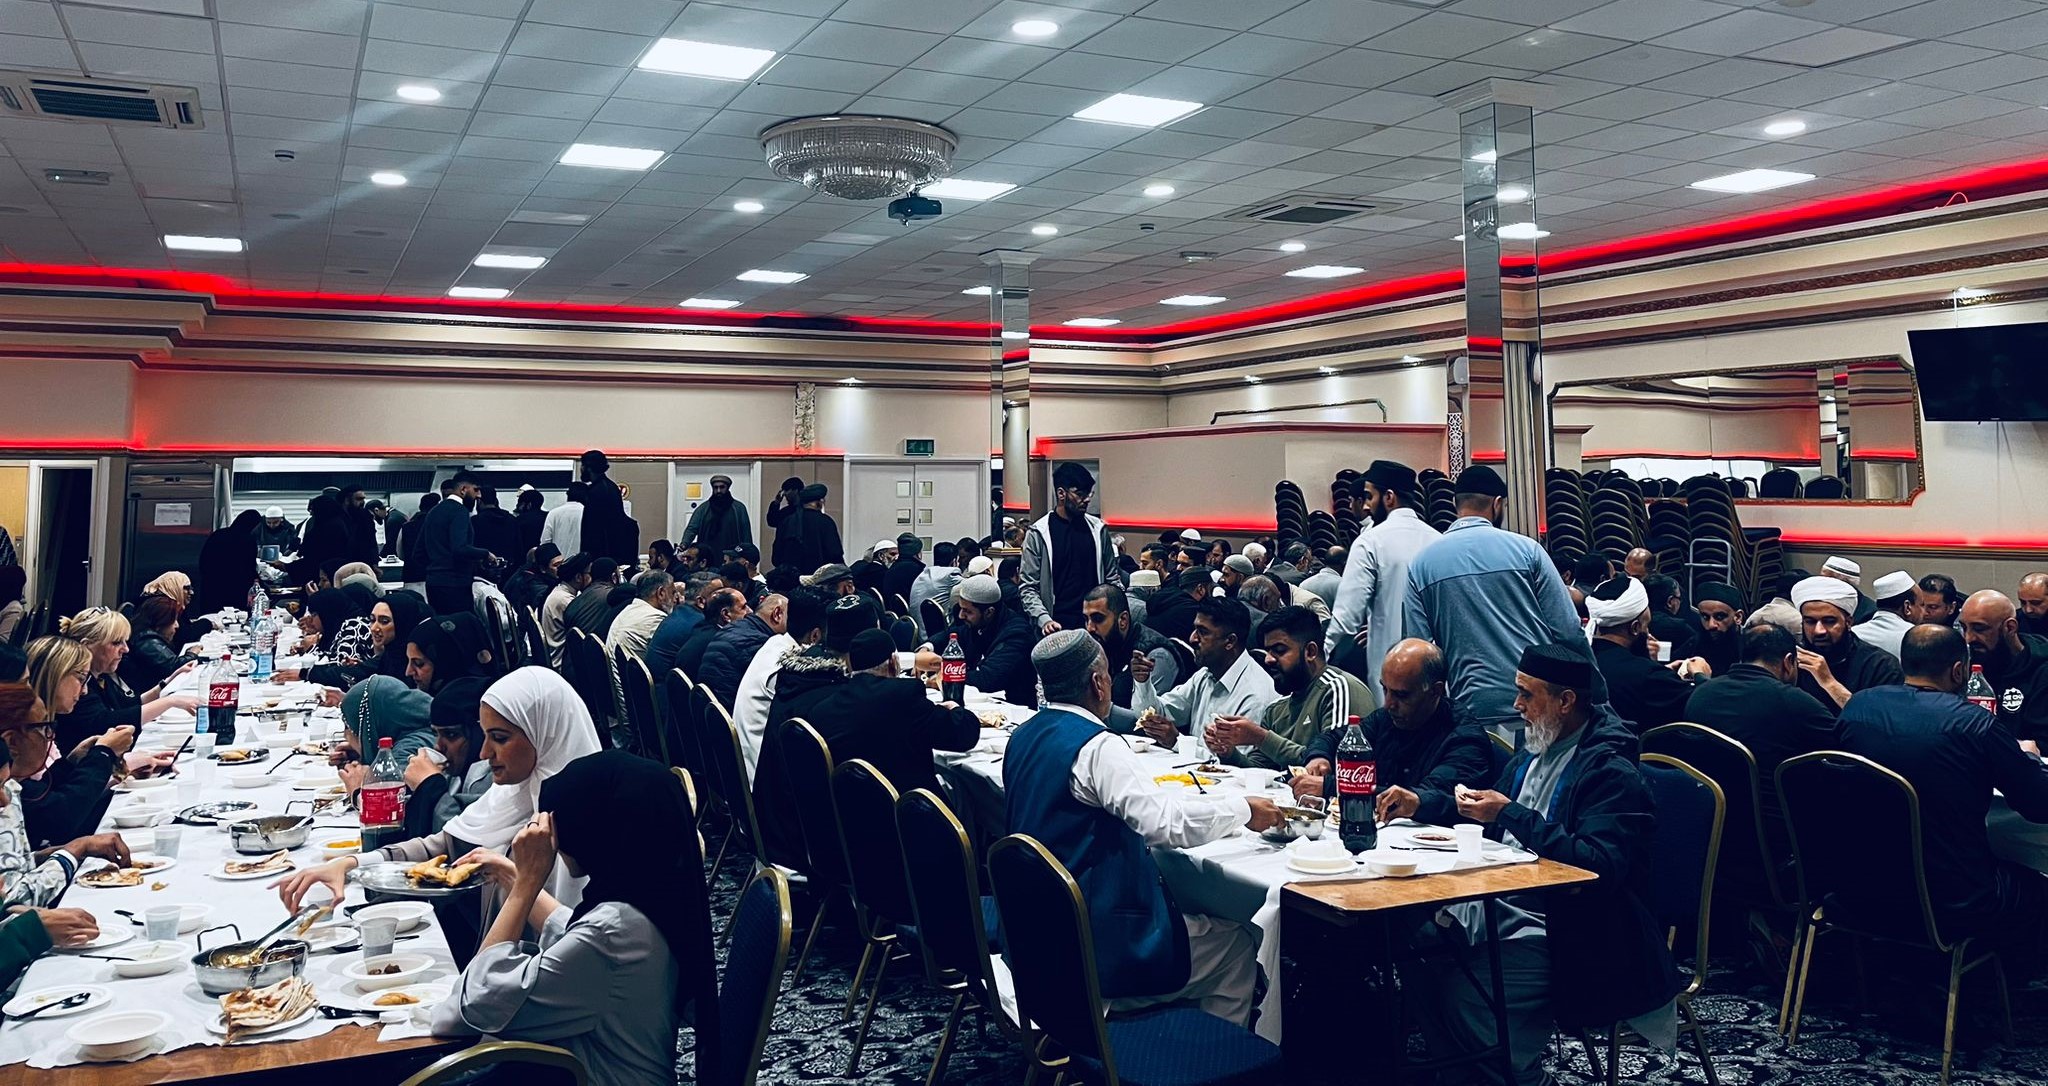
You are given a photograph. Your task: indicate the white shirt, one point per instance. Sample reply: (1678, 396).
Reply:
(756, 693)
(1110, 775)
(633, 628)
(1243, 690)
(552, 629)
(1375, 588)
(564, 527)
(1883, 630)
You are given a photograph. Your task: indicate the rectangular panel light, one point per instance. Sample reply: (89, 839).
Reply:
(763, 275)
(978, 291)
(478, 292)
(682, 56)
(1752, 181)
(1091, 322)
(610, 158)
(1193, 299)
(958, 188)
(1137, 109)
(1324, 271)
(201, 244)
(508, 260)
(708, 303)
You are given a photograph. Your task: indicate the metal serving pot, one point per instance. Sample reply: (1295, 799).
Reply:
(284, 958)
(260, 836)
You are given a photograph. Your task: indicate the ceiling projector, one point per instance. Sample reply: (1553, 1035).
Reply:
(913, 206)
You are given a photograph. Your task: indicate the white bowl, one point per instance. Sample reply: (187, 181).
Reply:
(409, 914)
(156, 959)
(284, 740)
(256, 779)
(144, 784)
(137, 815)
(410, 968)
(116, 1034)
(342, 846)
(1391, 865)
(192, 916)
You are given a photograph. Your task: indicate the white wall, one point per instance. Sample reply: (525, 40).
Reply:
(1411, 394)
(64, 402)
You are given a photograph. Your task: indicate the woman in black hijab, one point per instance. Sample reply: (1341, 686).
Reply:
(444, 648)
(227, 565)
(323, 542)
(392, 621)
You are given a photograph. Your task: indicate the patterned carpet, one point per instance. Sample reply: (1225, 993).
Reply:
(1895, 1042)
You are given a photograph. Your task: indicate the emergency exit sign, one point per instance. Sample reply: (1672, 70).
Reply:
(920, 446)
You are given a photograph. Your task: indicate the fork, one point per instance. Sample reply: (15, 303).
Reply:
(344, 1012)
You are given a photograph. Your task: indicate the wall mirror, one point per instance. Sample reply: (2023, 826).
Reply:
(1843, 430)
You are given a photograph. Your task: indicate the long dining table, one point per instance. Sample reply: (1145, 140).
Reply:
(382, 1045)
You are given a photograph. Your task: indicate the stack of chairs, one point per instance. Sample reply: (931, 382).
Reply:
(1347, 504)
(1290, 513)
(1439, 498)
(1618, 516)
(1322, 531)
(1755, 557)
(1567, 521)
(1668, 532)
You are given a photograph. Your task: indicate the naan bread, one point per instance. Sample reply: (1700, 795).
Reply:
(112, 876)
(281, 860)
(257, 1008)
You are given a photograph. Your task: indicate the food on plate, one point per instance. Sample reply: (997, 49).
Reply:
(277, 862)
(1183, 778)
(1210, 767)
(438, 872)
(147, 865)
(992, 718)
(1435, 837)
(112, 876)
(395, 999)
(234, 754)
(351, 842)
(154, 886)
(259, 1008)
(386, 970)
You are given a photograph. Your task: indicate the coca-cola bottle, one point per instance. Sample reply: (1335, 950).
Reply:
(1979, 691)
(223, 698)
(1357, 780)
(953, 671)
(381, 800)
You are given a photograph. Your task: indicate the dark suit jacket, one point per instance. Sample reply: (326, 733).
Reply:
(1643, 692)
(891, 724)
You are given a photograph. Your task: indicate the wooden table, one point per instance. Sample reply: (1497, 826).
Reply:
(350, 1052)
(1341, 946)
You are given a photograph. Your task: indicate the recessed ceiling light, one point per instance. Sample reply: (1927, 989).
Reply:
(681, 56)
(1251, 378)
(1193, 299)
(610, 158)
(1324, 271)
(1967, 293)
(1327, 371)
(1137, 109)
(201, 244)
(1034, 28)
(1293, 246)
(1511, 194)
(763, 275)
(1486, 156)
(851, 381)
(478, 292)
(747, 207)
(521, 261)
(1523, 231)
(1784, 128)
(708, 303)
(956, 188)
(1752, 181)
(387, 178)
(981, 291)
(415, 92)
(1092, 322)
(1159, 190)
(1411, 359)
(1045, 229)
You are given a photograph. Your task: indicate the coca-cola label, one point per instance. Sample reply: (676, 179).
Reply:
(1988, 704)
(1357, 778)
(953, 671)
(381, 805)
(223, 695)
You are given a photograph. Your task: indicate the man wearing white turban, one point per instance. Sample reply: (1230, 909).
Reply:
(1643, 692)
(1833, 662)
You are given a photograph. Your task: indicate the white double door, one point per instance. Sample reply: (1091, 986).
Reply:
(930, 498)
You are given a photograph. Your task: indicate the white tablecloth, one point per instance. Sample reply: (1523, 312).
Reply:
(1237, 877)
(252, 904)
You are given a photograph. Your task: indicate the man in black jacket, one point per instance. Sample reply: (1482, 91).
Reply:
(450, 551)
(724, 607)
(1719, 640)
(606, 528)
(1171, 611)
(1758, 704)
(903, 572)
(1593, 955)
(997, 638)
(1423, 752)
(807, 676)
(887, 720)
(1834, 663)
(805, 537)
(2016, 665)
(494, 529)
(1644, 693)
(725, 657)
(1106, 612)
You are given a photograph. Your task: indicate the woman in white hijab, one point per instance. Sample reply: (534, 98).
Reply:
(534, 725)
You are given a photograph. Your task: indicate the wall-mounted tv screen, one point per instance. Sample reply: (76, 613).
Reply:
(1990, 374)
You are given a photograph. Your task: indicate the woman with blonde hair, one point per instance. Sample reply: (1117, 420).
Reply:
(108, 702)
(63, 793)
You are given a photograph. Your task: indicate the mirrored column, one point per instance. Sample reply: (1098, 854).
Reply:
(1009, 307)
(1503, 338)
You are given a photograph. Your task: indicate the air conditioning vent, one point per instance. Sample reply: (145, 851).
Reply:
(1312, 209)
(98, 101)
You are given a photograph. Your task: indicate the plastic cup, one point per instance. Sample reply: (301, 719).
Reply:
(1471, 840)
(160, 922)
(166, 840)
(202, 744)
(380, 933)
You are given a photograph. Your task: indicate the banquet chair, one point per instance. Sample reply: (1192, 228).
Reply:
(1856, 837)
(534, 647)
(752, 979)
(513, 1061)
(933, 616)
(499, 625)
(720, 740)
(1046, 940)
(807, 765)
(866, 803)
(1683, 848)
(636, 689)
(682, 739)
(591, 676)
(952, 917)
(1752, 866)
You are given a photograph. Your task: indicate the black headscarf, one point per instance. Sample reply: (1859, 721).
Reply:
(459, 705)
(334, 608)
(458, 647)
(407, 609)
(591, 800)
(362, 595)
(227, 565)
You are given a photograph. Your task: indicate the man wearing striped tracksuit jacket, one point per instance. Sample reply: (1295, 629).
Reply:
(1316, 697)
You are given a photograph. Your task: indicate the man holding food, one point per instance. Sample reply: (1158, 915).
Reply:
(1422, 749)
(1227, 683)
(1315, 697)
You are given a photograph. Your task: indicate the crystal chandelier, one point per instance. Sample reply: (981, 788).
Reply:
(859, 158)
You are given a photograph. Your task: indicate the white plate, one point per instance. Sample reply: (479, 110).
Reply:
(331, 935)
(175, 715)
(28, 1001)
(157, 863)
(109, 935)
(409, 914)
(219, 1025)
(329, 781)
(142, 784)
(275, 873)
(428, 994)
(1324, 867)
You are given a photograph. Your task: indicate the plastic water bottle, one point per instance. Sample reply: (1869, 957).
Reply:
(259, 600)
(262, 646)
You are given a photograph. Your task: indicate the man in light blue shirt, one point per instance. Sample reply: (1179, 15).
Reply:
(1484, 595)
(1227, 682)
(1374, 590)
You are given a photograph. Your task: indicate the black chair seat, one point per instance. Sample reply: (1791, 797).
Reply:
(1186, 1046)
